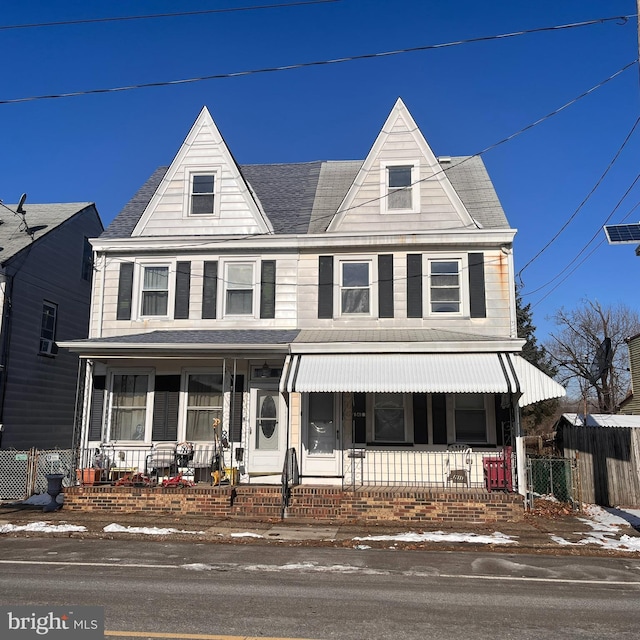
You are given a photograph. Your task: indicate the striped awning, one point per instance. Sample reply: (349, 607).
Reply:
(420, 373)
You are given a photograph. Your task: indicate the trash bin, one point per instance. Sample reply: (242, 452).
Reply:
(497, 471)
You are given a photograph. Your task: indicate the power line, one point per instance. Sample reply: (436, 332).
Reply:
(316, 63)
(584, 248)
(161, 15)
(584, 201)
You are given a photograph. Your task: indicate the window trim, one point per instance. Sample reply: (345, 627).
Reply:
(462, 286)
(414, 163)
(407, 401)
(189, 175)
(139, 294)
(490, 422)
(372, 261)
(47, 345)
(183, 410)
(255, 287)
(148, 416)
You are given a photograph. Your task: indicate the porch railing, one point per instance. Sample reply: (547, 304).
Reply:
(458, 467)
(114, 464)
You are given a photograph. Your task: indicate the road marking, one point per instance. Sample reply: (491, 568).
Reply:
(449, 576)
(529, 579)
(191, 636)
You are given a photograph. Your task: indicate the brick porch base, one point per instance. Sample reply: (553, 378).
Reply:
(321, 504)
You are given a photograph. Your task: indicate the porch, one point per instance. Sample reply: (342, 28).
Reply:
(199, 464)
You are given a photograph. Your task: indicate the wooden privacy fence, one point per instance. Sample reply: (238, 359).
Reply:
(608, 460)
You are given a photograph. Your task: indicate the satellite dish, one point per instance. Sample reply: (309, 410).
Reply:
(23, 197)
(601, 362)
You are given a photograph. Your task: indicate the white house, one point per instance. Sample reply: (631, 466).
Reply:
(359, 313)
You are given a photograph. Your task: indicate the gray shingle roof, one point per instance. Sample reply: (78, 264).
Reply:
(303, 197)
(40, 220)
(388, 335)
(201, 337)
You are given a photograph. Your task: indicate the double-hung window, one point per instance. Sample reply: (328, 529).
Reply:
(48, 328)
(204, 405)
(470, 418)
(239, 288)
(444, 286)
(390, 417)
(155, 290)
(400, 194)
(400, 186)
(203, 194)
(355, 288)
(128, 405)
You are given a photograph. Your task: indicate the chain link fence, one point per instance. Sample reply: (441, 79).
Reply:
(553, 479)
(23, 473)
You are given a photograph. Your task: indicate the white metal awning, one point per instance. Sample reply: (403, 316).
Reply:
(420, 373)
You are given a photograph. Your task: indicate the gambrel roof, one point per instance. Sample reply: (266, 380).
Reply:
(302, 198)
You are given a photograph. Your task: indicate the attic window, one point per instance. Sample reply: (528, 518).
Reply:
(202, 194)
(399, 187)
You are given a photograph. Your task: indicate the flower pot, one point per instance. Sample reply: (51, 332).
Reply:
(88, 475)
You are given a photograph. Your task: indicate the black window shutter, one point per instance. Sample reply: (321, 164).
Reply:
(420, 426)
(439, 418)
(125, 291)
(359, 419)
(268, 289)
(235, 417)
(97, 407)
(385, 286)
(183, 285)
(477, 299)
(414, 285)
(325, 287)
(210, 289)
(165, 408)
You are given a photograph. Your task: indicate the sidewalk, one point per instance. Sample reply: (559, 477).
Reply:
(550, 529)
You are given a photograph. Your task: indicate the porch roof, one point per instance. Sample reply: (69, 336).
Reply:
(420, 373)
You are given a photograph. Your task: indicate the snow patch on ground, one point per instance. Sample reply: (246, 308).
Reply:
(40, 527)
(152, 531)
(440, 536)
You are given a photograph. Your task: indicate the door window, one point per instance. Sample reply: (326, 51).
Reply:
(267, 421)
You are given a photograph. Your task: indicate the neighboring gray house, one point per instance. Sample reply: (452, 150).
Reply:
(631, 404)
(46, 270)
(361, 313)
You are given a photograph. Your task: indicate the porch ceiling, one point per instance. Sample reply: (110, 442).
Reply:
(420, 373)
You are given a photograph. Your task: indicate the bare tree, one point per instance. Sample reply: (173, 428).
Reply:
(583, 356)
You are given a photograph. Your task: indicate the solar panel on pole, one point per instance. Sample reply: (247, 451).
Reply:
(622, 233)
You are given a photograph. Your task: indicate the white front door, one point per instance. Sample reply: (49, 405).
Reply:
(321, 438)
(268, 434)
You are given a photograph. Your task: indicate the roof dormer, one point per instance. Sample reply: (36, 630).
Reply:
(203, 192)
(401, 183)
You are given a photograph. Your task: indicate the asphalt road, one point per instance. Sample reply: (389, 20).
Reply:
(185, 590)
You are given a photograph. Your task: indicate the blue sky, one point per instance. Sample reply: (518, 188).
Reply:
(465, 99)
